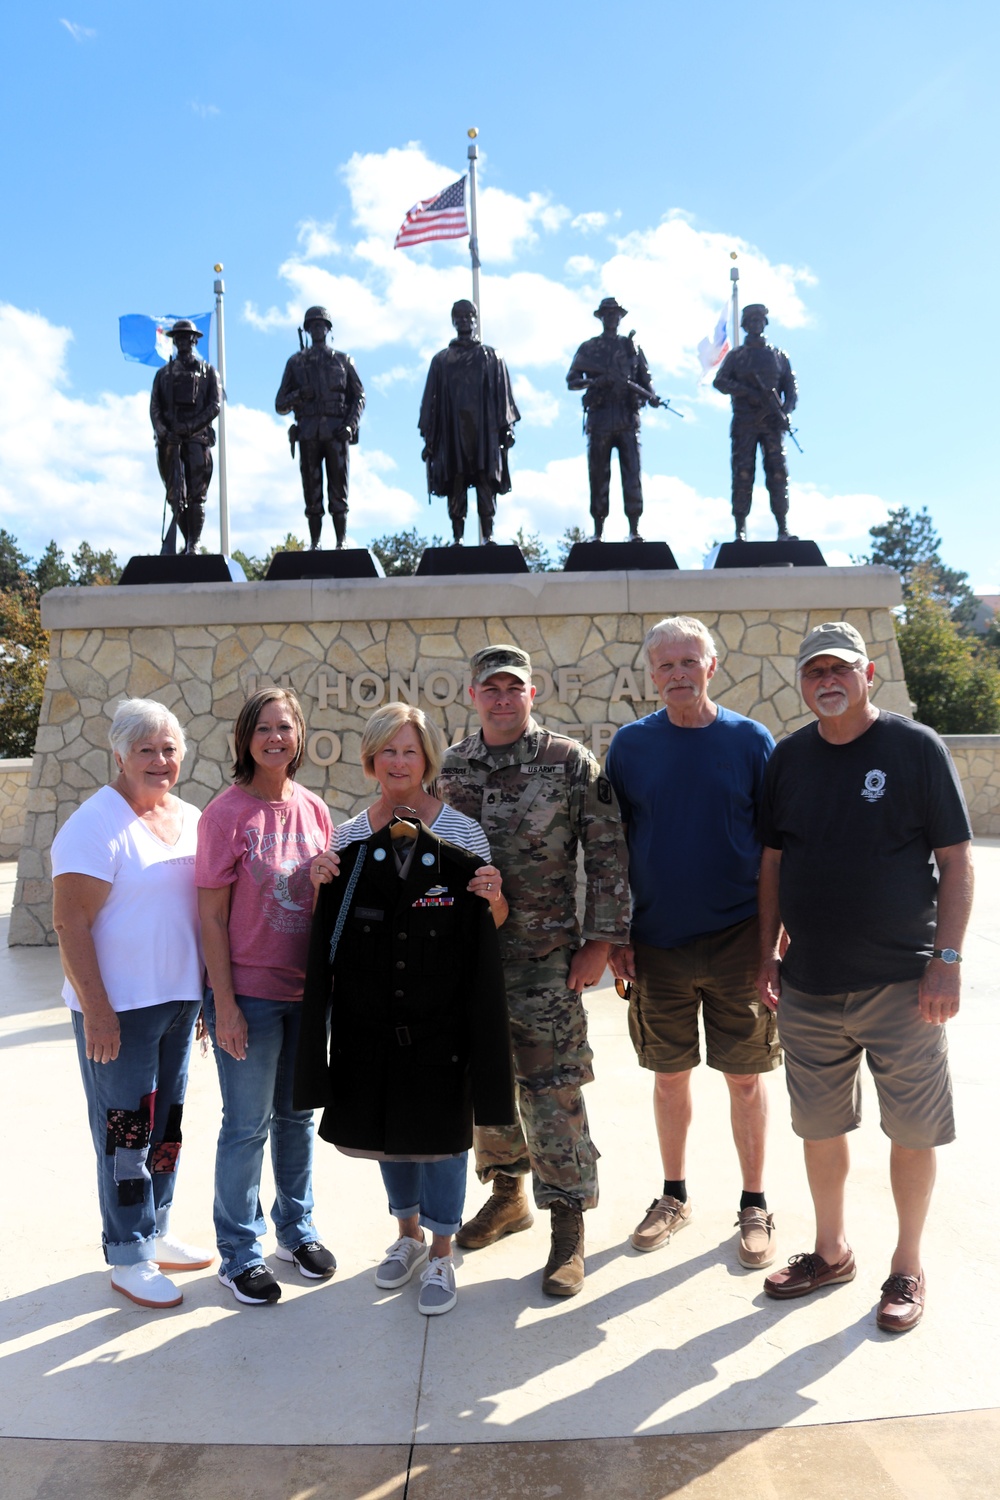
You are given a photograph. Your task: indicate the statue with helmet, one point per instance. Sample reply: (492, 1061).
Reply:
(467, 421)
(613, 375)
(759, 379)
(182, 407)
(321, 386)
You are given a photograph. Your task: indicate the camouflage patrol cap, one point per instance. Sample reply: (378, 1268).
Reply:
(183, 325)
(317, 315)
(500, 659)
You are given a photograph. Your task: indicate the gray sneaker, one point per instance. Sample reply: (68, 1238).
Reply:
(401, 1260)
(438, 1293)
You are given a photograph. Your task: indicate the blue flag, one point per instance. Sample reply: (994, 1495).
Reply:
(144, 339)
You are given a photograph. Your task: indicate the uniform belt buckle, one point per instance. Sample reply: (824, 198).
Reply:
(403, 1036)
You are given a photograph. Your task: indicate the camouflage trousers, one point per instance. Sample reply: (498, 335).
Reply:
(552, 1062)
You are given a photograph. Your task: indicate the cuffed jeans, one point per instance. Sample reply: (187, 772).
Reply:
(433, 1189)
(134, 1106)
(257, 1104)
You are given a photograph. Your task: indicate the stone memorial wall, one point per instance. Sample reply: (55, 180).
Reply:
(347, 647)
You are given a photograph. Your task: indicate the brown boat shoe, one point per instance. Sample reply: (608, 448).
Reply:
(758, 1246)
(902, 1303)
(808, 1272)
(664, 1217)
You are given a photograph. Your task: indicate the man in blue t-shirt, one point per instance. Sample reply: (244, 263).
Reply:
(688, 779)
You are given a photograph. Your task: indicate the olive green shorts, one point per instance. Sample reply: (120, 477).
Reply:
(716, 974)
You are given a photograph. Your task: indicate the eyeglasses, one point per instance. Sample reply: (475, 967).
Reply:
(839, 669)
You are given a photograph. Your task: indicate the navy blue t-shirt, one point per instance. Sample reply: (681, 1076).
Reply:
(856, 825)
(689, 798)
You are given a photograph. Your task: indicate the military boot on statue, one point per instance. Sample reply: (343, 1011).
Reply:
(505, 1212)
(340, 530)
(315, 531)
(192, 525)
(564, 1270)
(784, 535)
(741, 526)
(633, 529)
(598, 529)
(457, 530)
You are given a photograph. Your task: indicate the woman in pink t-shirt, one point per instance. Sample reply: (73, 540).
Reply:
(256, 842)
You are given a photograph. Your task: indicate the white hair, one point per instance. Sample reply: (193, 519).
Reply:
(135, 718)
(679, 628)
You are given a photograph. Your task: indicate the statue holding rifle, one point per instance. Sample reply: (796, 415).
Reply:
(760, 381)
(612, 372)
(183, 405)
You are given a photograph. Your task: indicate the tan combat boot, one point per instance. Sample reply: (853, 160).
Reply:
(506, 1211)
(564, 1270)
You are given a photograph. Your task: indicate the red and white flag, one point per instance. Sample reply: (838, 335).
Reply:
(439, 218)
(711, 352)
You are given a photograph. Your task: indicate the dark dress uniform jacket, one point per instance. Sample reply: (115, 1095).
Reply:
(419, 1041)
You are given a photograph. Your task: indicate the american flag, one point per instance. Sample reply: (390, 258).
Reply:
(439, 218)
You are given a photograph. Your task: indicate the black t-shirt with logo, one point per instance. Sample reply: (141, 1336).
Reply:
(856, 825)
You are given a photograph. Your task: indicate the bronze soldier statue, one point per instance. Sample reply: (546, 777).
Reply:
(183, 405)
(321, 386)
(612, 372)
(760, 381)
(467, 421)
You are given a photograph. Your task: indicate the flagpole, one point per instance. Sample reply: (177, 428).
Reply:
(734, 276)
(220, 351)
(474, 224)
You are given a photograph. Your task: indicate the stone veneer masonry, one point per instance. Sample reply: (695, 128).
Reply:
(14, 776)
(344, 647)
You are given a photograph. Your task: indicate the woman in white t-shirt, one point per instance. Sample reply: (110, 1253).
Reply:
(126, 914)
(402, 751)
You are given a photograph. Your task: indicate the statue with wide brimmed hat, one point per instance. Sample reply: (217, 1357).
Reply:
(184, 403)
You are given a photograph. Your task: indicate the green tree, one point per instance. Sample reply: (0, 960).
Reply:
(52, 571)
(568, 541)
(534, 551)
(14, 564)
(399, 552)
(90, 567)
(24, 653)
(955, 687)
(909, 543)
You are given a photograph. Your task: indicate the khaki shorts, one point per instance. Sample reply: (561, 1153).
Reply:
(718, 973)
(824, 1037)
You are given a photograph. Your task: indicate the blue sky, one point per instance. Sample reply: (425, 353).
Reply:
(845, 153)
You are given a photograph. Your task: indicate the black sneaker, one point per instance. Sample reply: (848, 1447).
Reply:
(313, 1260)
(255, 1285)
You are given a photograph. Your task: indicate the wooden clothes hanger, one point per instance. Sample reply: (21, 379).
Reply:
(402, 829)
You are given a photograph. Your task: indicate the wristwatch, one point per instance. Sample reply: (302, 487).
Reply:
(947, 955)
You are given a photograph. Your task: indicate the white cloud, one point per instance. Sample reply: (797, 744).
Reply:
(589, 223)
(86, 470)
(205, 111)
(537, 408)
(399, 374)
(77, 32)
(581, 265)
(318, 240)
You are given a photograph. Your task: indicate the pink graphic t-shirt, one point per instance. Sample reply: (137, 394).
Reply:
(264, 850)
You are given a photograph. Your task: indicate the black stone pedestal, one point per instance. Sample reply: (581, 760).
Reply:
(348, 562)
(616, 557)
(441, 562)
(797, 554)
(200, 567)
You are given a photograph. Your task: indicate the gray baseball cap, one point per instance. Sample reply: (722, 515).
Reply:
(834, 638)
(500, 659)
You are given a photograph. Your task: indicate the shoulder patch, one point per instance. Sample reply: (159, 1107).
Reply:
(603, 789)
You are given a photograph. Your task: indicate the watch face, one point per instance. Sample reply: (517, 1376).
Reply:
(950, 955)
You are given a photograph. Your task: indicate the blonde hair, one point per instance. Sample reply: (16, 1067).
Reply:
(679, 628)
(383, 726)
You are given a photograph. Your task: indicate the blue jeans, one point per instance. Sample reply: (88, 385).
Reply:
(257, 1103)
(134, 1107)
(433, 1189)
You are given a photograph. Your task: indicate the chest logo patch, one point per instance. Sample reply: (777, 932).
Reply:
(874, 786)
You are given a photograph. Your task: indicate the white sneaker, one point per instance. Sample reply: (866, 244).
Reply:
(401, 1260)
(143, 1283)
(174, 1255)
(438, 1293)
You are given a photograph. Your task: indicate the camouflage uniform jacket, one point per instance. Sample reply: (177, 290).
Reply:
(538, 800)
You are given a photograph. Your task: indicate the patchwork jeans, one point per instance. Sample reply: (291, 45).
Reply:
(134, 1106)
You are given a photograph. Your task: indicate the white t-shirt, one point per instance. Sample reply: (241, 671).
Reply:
(146, 934)
(449, 824)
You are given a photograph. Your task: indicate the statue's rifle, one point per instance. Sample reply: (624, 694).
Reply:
(600, 382)
(775, 403)
(169, 547)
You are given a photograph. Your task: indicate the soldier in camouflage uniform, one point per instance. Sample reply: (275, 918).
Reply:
(538, 797)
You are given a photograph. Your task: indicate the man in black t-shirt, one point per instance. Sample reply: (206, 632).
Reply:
(853, 808)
